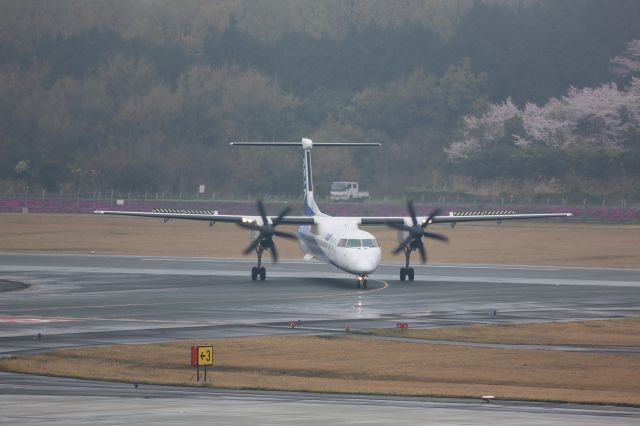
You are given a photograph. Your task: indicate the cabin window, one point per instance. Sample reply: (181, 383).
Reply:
(342, 243)
(354, 243)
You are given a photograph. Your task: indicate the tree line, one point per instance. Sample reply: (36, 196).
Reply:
(146, 96)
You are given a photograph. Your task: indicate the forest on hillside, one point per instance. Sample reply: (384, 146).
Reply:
(473, 96)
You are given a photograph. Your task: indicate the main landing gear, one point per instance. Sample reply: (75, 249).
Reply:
(361, 281)
(259, 271)
(407, 272)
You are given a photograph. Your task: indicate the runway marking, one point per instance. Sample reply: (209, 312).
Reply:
(307, 262)
(33, 320)
(499, 268)
(361, 292)
(385, 285)
(205, 260)
(315, 262)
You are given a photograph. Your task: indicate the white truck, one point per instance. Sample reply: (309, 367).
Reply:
(347, 191)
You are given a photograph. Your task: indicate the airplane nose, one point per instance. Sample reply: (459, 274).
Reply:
(369, 261)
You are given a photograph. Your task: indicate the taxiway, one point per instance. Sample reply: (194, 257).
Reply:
(56, 301)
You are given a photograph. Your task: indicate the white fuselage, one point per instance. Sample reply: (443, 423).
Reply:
(339, 242)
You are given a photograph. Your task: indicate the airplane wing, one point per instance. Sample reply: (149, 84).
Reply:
(455, 217)
(452, 218)
(210, 216)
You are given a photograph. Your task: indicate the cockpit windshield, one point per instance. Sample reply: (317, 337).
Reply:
(356, 243)
(369, 243)
(339, 186)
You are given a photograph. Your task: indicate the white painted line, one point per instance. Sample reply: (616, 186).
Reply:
(251, 261)
(32, 320)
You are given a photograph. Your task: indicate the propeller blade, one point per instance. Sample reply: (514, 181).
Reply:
(433, 214)
(253, 244)
(285, 235)
(282, 214)
(412, 212)
(435, 236)
(403, 244)
(267, 231)
(423, 253)
(263, 212)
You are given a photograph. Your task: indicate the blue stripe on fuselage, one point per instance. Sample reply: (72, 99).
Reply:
(308, 211)
(306, 237)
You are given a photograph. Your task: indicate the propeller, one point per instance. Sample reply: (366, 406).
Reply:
(416, 232)
(267, 231)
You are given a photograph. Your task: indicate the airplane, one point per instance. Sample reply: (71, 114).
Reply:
(336, 240)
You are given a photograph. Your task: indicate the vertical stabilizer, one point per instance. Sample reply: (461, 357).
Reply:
(310, 206)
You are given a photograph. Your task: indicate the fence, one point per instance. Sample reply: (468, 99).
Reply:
(78, 204)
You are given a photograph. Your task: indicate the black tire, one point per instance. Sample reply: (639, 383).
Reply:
(364, 284)
(254, 273)
(410, 273)
(263, 274)
(403, 274)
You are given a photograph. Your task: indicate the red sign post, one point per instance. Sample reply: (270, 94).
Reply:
(194, 356)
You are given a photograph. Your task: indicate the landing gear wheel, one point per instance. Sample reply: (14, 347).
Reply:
(364, 283)
(410, 273)
(403, 273)
(357, 283)
(263, 274)
(254, 273)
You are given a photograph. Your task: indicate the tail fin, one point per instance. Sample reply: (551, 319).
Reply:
(310, 206)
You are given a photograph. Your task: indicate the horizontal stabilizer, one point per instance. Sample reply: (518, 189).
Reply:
(333, 144)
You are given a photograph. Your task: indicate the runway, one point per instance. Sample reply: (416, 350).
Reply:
(76, 300)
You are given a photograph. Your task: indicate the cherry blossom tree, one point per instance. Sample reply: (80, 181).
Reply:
(480, 132)
(602, 117)
(628, 62)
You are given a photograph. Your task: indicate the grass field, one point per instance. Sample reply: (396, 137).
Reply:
(530, 243)
(355, 364)
(622, 332)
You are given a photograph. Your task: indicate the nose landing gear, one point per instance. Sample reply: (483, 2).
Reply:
(361, 280)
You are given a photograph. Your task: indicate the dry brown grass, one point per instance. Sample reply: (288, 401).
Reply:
(619, 332)
(533, 243)
(359, 365)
